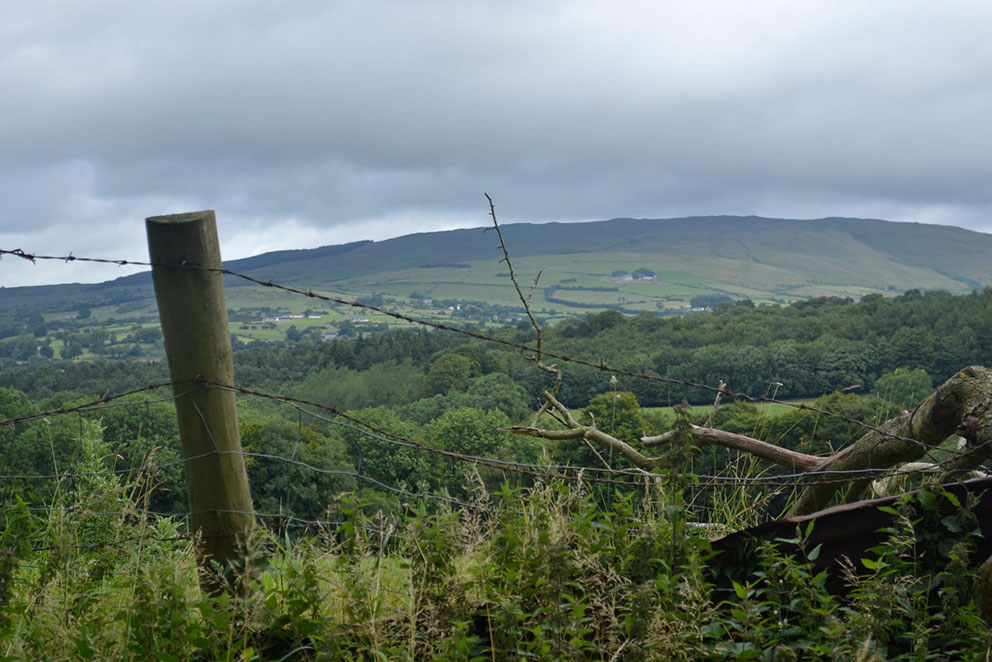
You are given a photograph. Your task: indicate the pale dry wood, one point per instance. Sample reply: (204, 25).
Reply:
(704, 436)
(959, 405)
(588, 432)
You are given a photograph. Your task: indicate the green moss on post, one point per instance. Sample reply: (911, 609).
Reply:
(198, 345)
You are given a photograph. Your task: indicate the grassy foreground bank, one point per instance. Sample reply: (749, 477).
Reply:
(545, 573)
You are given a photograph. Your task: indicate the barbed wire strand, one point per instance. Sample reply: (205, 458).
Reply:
(374, 431)
(704, 480)
(523, 347)
(774, 480)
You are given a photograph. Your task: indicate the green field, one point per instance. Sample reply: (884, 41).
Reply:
(770, 409)
(458, 276)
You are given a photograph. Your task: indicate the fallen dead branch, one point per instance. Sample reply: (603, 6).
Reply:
(959, 406)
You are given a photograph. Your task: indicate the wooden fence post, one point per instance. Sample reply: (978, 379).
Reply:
(192, 309)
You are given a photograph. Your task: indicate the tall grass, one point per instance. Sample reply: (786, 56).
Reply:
(543, 573)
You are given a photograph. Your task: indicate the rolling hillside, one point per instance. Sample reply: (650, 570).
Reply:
(766, 260)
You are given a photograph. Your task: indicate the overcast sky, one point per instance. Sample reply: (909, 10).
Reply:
(305, 123)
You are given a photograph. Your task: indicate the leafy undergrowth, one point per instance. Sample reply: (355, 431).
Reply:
(538, 574)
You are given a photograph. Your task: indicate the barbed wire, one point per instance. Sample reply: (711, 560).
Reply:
(568, 472)
(360, 425)
(575, 472)
(698, 480)
(510, 465)
(290, 521)
(523, 347)
(94, 404)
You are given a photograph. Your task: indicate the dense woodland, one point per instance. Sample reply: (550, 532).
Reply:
(812, 347)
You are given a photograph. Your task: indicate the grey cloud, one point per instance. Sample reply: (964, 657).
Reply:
(337, 114)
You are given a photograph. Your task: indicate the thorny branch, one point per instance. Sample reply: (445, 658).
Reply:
(525, 300)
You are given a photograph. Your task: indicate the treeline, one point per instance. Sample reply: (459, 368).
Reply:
(810, 348)
(804, 350)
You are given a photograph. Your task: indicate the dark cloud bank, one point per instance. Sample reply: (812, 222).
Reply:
(308, 123)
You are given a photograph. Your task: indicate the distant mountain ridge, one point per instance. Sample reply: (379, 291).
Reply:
(749, 256)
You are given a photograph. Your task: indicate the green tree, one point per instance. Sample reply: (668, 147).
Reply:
(425, 410)
(469, 431)
(146, 434)
(904, 387)
(504, 394)
(317, 471)
(46, 447)
(388, 383)
(388, 462)
(449, 372)
(619, 414)
(20, 348)
(474, 432)
(70, 351)
(911, 347)
(151, 334)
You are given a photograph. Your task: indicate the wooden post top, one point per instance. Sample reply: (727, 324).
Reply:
(185, 217)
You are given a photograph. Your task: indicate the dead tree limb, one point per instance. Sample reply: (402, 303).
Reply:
(704, 436)
(716, 403)
(959, 406)
(576, 430)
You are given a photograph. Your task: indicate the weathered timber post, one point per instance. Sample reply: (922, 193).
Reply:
(193, 313)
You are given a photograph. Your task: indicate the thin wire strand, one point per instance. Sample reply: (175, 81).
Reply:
(373, 431)
(842, 476)
(523, 347)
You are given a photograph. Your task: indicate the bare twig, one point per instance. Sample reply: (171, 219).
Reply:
(597, 454)
(589, 433)
(530, 294)
(525, 300)
(716, 403)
